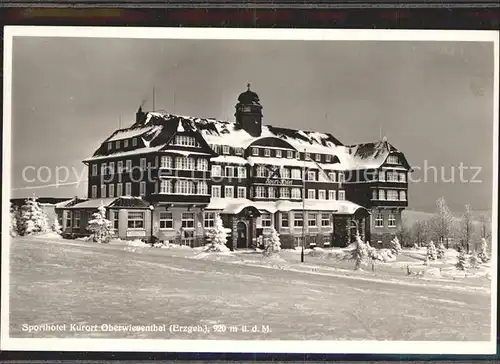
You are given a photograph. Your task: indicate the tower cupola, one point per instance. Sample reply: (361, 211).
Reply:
(249, 113)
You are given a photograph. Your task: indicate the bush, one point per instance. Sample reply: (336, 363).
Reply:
(395, 246)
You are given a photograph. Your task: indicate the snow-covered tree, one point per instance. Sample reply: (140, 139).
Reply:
(474, 261)
(463, 261)
(395, 246)
(404, 233)
(272, 244)
(419, 232)
(483, 251)
(100, 227)
(13, 221)
(431, 251)
(56, 227)
(442, 221)
(441, 251)
(360, 252)
(466, 228)
(485, 225)
(32, 219)
(217, 236)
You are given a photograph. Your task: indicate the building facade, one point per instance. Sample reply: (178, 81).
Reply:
(168, 175)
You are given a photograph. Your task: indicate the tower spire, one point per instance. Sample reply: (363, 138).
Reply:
(248, 86)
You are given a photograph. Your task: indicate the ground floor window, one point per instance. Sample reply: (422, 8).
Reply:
(284, 220)
(298, 219)
(379, 220)
(311, 219)
(114, 219)
(209, 220)
(166, 220)
(77, 219)
(135, 220)
(326, 240)
(325, 219)
(68, 219)
(188, 220)
(391, 221)
(266, 220)
(187, 238)
(298, 241)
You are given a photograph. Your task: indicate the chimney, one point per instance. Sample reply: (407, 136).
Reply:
(140, 116)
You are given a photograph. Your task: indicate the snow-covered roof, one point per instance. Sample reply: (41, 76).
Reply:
(235, 205)
(184, 152)
(229, 159)
(133, 132)
(93, 203)
(128, 153)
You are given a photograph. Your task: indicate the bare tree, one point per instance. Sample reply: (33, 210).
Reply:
(420, 232)
(485, 224)
(442, 222)
(403, 233)
(466, 229)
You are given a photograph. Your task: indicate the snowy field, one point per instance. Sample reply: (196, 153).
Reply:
(56, 281)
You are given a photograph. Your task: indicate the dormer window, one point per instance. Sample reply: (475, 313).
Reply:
(125, 143)
(318, 157)
(185, 140)
(110, 146)
(134, 142)
(289, 154)
(117, 144)
(255, 151)
(278, 153)
(393, 159)
(308, 156)
(225, 149)
(328, 158)
(238, 151)
(267, 152)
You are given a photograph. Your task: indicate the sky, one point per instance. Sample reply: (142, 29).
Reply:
(432, 100)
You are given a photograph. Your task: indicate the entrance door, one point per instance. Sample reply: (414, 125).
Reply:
(242, 235)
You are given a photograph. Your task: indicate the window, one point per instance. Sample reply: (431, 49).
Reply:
(165, 186)
(142, 188)
(260, 191)
(111, 190)
(202, 164)
(381, 195)
(311, 219)
(119, 166)
(265, 220)
(125, 143)
(185, 140)
(391, 220)
(135, 220)
(261, 171)
(242, 192)
(393, 159)
(271, 192)
(321, 195)
(166, 161)
(341, 195)
(128, 189)
(326, 240)
(187, 220)
(325, 219)
(114, 218)
(242, 172)
(94, 191)
(267, 152)
(184, 187)
(392, 176)
(332, 176)
(402, 195)
(332, 194)
(166, 220)
(318, 157)
(103, 190)
(111, 168)
(392, 195)
(381, 176)
(328, 158)
(94, 169)
(379, 220)
(77, 219)
(228, 191)
(296, 193)
(110, 146)
(187, 237)
(216, 171)
(128, 165)
(402, 177)
(119, 189)
(341, 177)
(285, 173)
(142, 163)
(229, 171)
(202, 188)
(374, 195)
(284, 219)
(311, 194)
(255, 151)
(215, 148)
(238, 151)
(296, 174)
(284, 192)
(68, 219)
(184, 163)
(103, 168)
(298, 219)
(209, 220)
(289, 154)
(311, 175)
(278, 153)
(134, 142)
(117, 144)
(225, 149)
(216, 191)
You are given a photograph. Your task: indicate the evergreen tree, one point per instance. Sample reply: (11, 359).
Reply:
(442, 221)
(56, 227)
(13, 221)
(272, 244)
(463, 261)
(360, 252)
(395, 246)
(100, 227)
(474, 260)
(33, 219)
(441, 251)
(217, 236)
(483, 251)
(431, 251)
